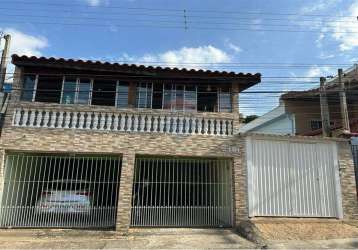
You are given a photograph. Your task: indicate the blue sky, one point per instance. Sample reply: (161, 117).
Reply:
(231, 35)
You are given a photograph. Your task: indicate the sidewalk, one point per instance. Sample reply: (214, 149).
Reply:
(151, 239)
(315, 244)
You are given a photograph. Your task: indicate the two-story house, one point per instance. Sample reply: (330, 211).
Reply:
(96, 145)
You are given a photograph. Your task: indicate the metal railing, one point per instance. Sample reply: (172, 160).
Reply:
(60, 191)
(180, 192)
(189, 124)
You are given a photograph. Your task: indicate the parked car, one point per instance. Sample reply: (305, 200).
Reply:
(65, 196)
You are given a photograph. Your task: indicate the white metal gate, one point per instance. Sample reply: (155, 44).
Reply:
(182, 192)
(293, 178)
(63, 191)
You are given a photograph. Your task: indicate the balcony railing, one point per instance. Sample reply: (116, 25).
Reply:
(123, 121)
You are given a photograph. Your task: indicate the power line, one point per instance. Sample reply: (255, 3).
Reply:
(187, 24)
(180, 17)
(175, 9)
(92, 25)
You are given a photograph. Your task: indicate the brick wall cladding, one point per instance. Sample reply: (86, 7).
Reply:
(130, 144)
(348, 183)
(119, 143)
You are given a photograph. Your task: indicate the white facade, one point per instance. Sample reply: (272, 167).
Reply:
(277, 121)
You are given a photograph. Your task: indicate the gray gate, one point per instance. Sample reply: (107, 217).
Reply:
(60, 191)
(296, 178)
(180, 192)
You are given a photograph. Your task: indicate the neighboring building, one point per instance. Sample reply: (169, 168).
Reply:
(276, 121)
(78, 130)
(303, 107)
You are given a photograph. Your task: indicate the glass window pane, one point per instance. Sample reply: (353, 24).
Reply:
(149, 95)
(49, 88)
(167, 96)
(207, 98)
(28, 88)
(157, 102)
(84, 90)
(225, 102)
(122, 95)
(179, 97)
(144, 95)
(104, 92)
(190, 98)
(69, 91)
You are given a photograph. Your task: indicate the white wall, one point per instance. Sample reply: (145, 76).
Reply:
(283, 126)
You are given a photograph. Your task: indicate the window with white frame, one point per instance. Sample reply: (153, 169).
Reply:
(224, 97)
(122, 95)
(84, 91)
(190, 98)
(29, 87)
(69, 90)
(179, 97)
(144, 95)
(76, 90)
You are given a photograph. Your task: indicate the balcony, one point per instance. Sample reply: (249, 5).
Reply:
(90, 118)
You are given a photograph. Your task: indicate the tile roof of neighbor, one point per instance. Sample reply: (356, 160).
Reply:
(350, 74)
(99, 65)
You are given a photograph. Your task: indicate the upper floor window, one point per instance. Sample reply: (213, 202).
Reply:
(69, 90)
(84, 90)
(28, 92)
(207, 98)
(109, 92)
(144, 95)
(317, 124)
(122, 95)
(179, 97)
(224, 96)
(48, 88)
(104, 92)
(76, 90)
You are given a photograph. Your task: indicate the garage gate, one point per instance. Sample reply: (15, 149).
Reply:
(64, 191)
(182, 192)
(293, 178)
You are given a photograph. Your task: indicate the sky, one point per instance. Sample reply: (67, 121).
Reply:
(291, 43)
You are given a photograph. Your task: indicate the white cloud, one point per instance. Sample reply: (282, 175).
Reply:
(319, 40)
(324, 56)
(232, 46)
(185, 57)
(318, 71)
(93, 3)
(25, 44)
(347, 33)
(319, 6)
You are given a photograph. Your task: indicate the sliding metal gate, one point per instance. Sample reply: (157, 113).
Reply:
(60, 191)
(180, 192)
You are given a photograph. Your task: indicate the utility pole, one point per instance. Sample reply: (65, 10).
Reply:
(326, 126)
(3, 63)
(343, 103)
